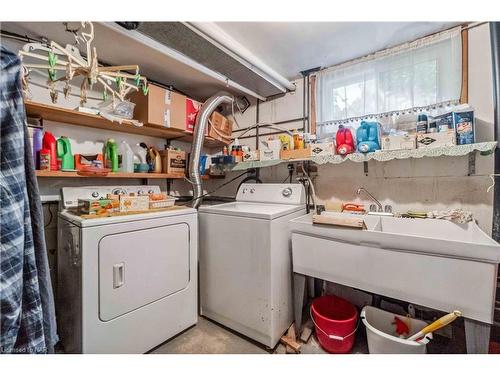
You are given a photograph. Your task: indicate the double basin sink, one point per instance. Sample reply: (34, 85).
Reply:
(431, 236)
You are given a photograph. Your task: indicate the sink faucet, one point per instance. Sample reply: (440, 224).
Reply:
(379, 205)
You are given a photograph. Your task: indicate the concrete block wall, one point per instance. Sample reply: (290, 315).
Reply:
(418, 184)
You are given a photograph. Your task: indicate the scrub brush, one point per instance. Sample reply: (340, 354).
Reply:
(456, 215)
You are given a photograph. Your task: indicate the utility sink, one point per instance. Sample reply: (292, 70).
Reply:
(432, 236)
(430, 262)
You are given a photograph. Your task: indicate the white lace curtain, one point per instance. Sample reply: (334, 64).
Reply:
(416, 74)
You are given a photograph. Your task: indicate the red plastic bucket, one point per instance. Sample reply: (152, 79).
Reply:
(335, 321)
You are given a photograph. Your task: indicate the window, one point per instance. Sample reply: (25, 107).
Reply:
(417, 74)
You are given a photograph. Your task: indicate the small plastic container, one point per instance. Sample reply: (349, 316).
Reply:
(382, 336)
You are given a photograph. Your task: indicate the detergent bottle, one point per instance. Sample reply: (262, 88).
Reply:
(64, 155)
(126, 158)
(154, 160)
(37, 146)
(367, 136)
(49, 143)
(344, 140)
(111, 155)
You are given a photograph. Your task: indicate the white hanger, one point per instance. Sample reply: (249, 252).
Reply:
(492, 176)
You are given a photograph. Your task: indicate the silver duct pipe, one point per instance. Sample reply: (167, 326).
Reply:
(199, 134)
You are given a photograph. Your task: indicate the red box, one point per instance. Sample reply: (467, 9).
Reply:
(192, 109)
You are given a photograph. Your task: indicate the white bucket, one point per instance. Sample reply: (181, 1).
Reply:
(382, 336)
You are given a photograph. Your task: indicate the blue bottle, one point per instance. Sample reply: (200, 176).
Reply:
(368, 137)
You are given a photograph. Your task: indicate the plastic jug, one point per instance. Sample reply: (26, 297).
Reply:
(64, 153)
(154, 160)
(126, 158)
(367, 136)
(49, 143)
(37, 146)
(344, 140)
(111, 155)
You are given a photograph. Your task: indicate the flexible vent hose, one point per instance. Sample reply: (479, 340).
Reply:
(199, 135)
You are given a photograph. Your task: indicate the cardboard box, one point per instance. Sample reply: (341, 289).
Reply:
(160, 107)
(322, 149)
(134, 203)
(97, 206)
(251, 155)
(432, 140)
(301, 153)
(192, 109)
(399, 142)
(173, 161)
(220, 128)
(444, 122)
(269, 150)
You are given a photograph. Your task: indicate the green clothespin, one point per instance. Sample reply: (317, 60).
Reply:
(52, 74)
(52, 59)
(137, 80)
(119, 81)
(104, 95)
(145, 89)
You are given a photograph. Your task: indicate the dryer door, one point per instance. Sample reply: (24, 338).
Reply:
(140, 267)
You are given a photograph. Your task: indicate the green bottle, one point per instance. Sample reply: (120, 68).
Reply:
(64, 154)
(111, 155)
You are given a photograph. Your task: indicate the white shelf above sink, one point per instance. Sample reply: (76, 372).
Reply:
(382, 156)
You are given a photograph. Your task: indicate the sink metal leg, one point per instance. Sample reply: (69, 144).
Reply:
(477, 336)
(299, 285)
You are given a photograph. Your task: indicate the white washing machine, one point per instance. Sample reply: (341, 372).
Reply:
(245, 260)
(126, 283)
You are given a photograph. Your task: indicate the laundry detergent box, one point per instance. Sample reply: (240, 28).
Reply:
(322, 149)
(134, 203)
(398, 142)
(97, 206)
(464, 127)
(270, 149)
(433, 140)
(251, 155)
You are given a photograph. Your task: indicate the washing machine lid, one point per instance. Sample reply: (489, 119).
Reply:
(268, 211)
(84, 223)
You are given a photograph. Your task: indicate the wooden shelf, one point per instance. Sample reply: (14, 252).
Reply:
(73, 117)
(61, 174)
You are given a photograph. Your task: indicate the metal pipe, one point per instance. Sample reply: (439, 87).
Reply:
(179, 57)
(379, 205)
(199, 135)
(268, 125)
(217, 36)
(495, 56)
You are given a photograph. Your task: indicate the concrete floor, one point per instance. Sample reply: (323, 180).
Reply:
(208, 337)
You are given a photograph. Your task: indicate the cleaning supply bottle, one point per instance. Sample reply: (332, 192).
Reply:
(37, 146)
(154, 160)
(49, 143)
(126, 158)
(111, 155)
(344, 141)
(64, 154)
(367, 136)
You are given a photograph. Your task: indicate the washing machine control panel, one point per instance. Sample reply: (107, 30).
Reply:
(70, 195)
(272, 193)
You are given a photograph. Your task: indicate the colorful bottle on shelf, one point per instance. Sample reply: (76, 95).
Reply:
(111, 155)
(344, 141)
(49, 143)
(37, 146)
(64, 154)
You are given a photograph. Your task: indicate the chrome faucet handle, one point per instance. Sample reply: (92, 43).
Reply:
(373, 208)
(388, 208)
